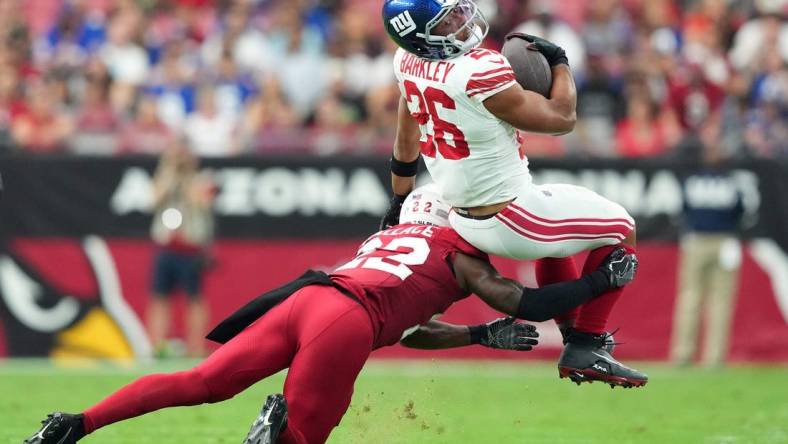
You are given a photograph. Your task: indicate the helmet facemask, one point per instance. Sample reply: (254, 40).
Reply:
(467, 36)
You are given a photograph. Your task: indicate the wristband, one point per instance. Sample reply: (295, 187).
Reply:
(404, 169)
(476, 332)
(560, 60)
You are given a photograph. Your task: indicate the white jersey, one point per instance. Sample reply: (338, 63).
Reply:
(473, 156)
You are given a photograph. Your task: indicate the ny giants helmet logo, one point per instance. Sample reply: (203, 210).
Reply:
(403, 23)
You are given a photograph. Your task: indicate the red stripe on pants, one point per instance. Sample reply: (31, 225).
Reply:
(518, 227)
(616, 221)
(567, 229)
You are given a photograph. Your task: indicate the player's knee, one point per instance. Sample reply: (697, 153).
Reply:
(219, 396)
(218, 385)
(186, 386)
(212, 388)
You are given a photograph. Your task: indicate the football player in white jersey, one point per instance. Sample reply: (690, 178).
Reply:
(460, 110)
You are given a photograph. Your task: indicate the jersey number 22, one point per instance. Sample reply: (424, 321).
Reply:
(396, 262)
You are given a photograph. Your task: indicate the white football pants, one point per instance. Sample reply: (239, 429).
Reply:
(554, 220)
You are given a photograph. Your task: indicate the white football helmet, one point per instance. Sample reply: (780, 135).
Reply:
(425, 206)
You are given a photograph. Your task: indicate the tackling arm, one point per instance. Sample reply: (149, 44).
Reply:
(479, 277)
(436, 335)
(502, 333)
(540, 304)
(529, 111)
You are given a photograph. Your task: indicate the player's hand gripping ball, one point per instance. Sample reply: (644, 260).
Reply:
(531, 58)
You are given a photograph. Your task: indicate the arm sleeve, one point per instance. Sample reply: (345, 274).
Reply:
(541, 304)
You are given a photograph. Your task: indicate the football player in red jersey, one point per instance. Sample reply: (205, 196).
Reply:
(323, 325)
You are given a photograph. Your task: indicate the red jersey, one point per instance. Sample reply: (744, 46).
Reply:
(403, 277)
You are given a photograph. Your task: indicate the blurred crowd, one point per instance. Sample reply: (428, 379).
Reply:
(113, 77)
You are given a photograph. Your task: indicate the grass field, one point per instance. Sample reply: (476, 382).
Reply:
(440, 402)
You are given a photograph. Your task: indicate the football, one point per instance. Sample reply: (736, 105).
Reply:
(529, 65)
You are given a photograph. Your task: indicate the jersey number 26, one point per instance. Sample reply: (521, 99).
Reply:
(441, 129)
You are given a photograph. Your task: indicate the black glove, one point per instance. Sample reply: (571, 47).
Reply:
(554, 54)
(505, 334)
(619, 268)
(391, 217)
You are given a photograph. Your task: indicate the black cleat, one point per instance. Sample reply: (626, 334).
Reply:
(272, 420)
(586, 358)
(59, 428)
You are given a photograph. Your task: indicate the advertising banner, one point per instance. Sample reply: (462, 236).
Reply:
(76, 258)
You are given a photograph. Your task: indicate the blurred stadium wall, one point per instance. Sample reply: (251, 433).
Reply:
(75, 256)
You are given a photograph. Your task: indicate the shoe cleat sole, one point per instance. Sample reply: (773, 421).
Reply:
(579, 376)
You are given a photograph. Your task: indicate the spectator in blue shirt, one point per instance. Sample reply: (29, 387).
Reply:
(710, 260)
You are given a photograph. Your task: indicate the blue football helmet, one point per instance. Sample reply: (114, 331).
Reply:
(411, 24)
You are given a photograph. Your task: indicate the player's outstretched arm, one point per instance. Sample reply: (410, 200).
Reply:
(502, 333)
(529, 111)
(435, 335)
(540, 304)
(404, 163)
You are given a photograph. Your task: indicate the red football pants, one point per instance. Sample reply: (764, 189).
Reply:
(323, 336)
